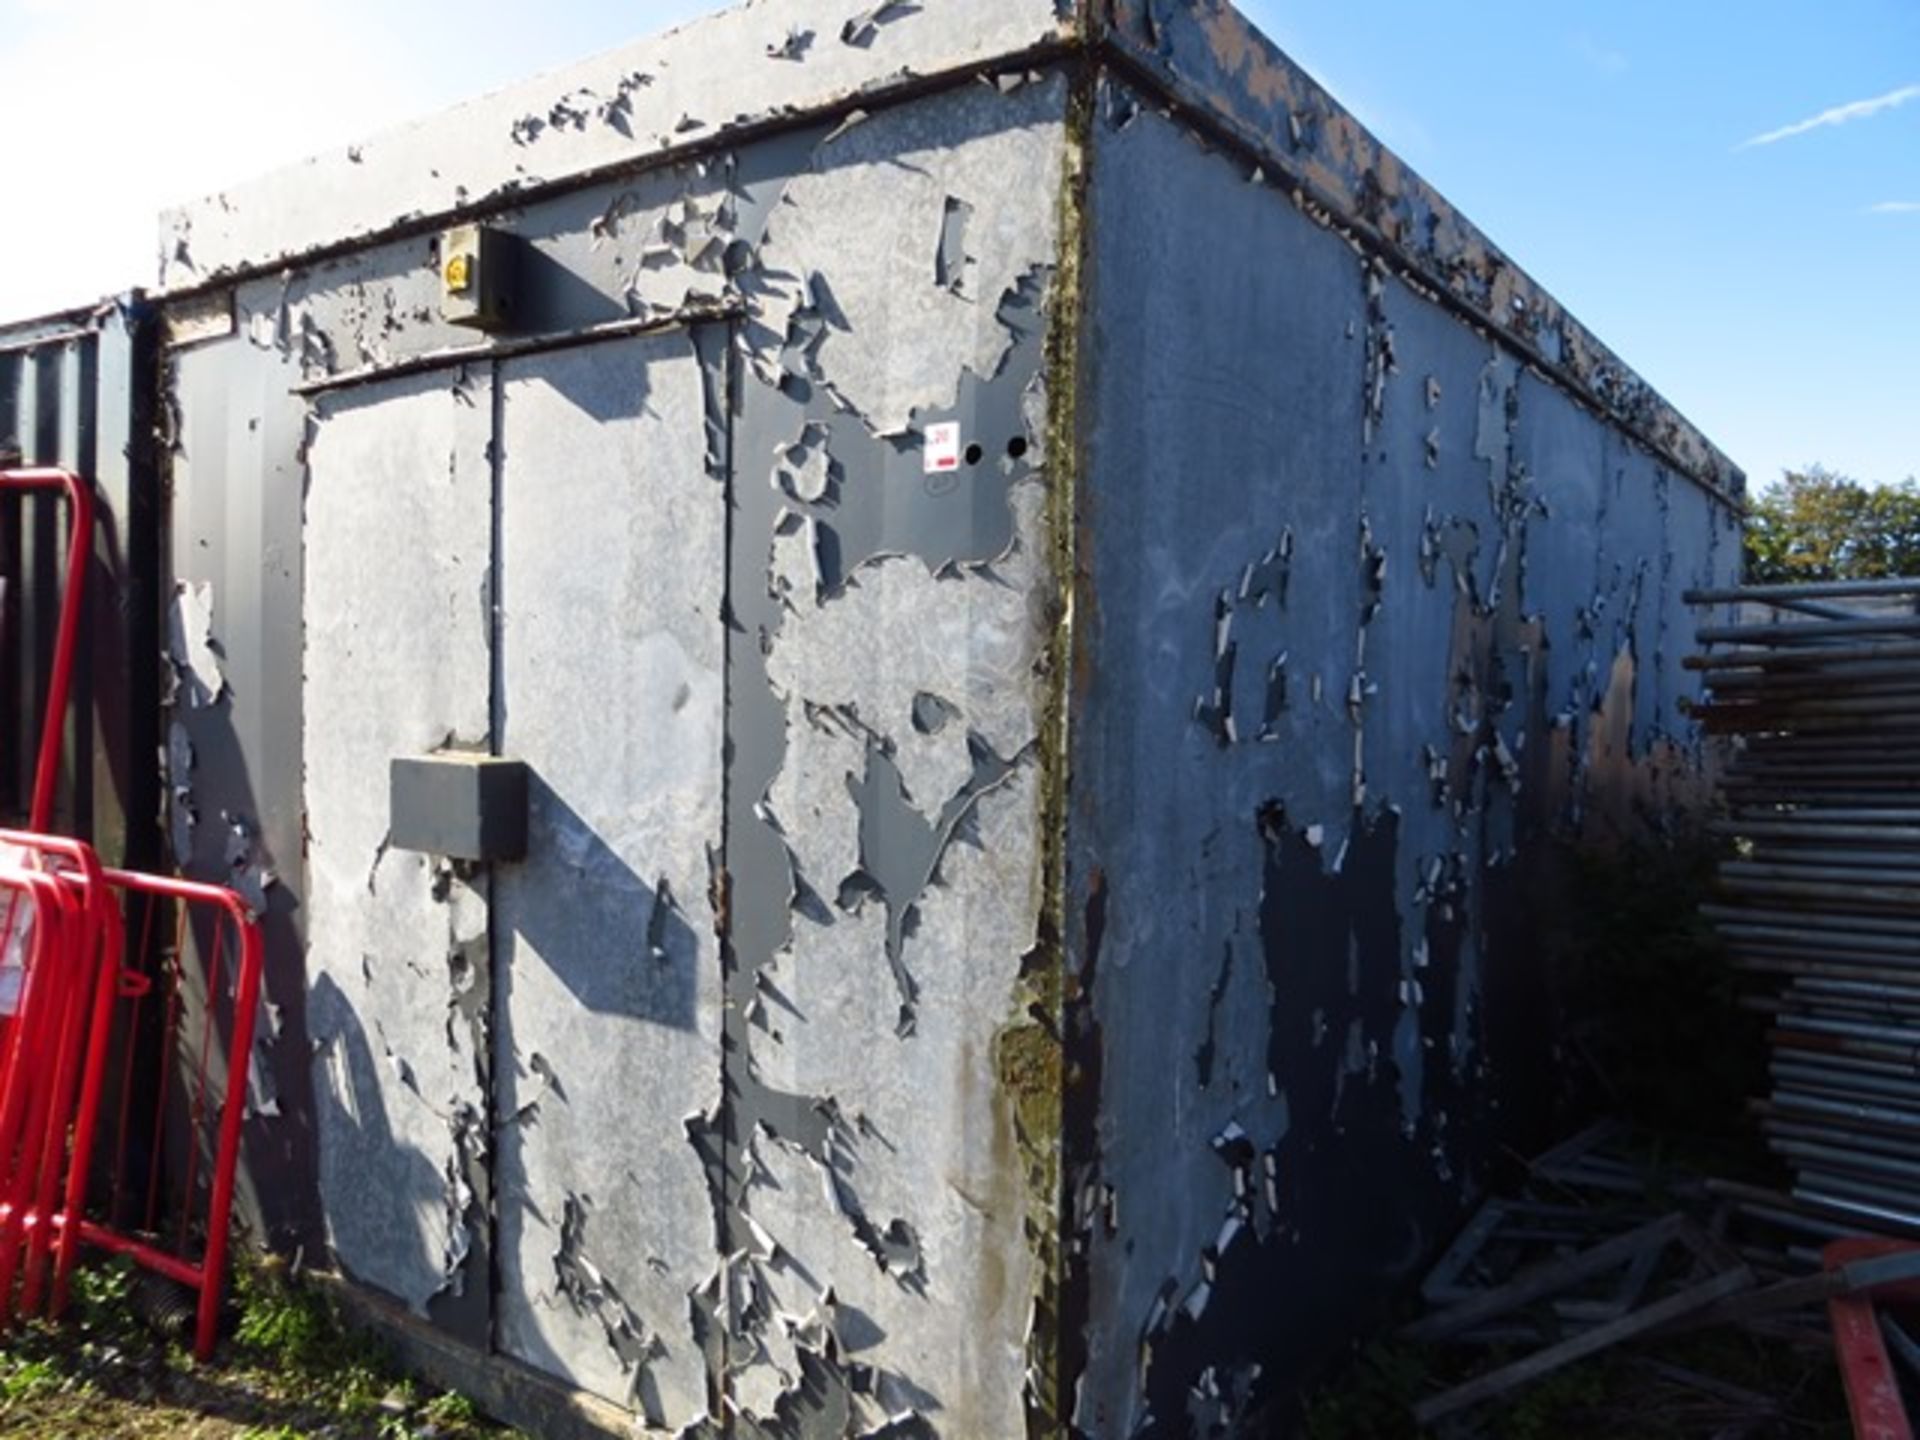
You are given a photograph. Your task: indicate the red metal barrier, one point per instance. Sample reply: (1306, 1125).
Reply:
(59, 1041)
(46, 771)
(63, 1040)
(30, 1059)
(208, 1274)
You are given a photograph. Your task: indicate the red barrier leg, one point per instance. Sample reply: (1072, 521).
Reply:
(1873, 1392)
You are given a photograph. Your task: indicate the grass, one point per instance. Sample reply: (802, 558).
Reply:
(292, 1368)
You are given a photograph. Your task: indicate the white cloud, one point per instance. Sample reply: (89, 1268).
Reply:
(1838, 115)
(1603, 58)
(1895, 207)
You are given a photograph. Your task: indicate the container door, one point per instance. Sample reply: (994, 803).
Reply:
(398, 549)
(607, 1006)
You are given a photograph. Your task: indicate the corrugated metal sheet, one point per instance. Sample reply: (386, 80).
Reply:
(73, 394)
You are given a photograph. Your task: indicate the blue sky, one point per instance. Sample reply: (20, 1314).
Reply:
(1761, 287)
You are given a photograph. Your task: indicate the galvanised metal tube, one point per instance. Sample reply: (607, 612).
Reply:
(1801, 920)
(1859, 1184)
(1840, 946)
(1844, 1135)
(1830, 1097)
(1814, 590)
(1809, 1209)
(1880, 897)
(1855, 1074)
(1754, 719)
(1769, 658)
(1809, 799)
(1786, 1219)
(1786, 966)
(1904, 1221)
(1791, 1039)
(1905, 995)
(1830, 1010)
(1798, 704)
(1842, 1088)
(1815, 765)
(1868, 671)
(1872, 1177)
(1809, 633)
(1865, 857)
(1852, 1029)
(1884, 1119)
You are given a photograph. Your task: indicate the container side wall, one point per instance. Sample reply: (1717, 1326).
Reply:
(884, 724)
(1372, 617)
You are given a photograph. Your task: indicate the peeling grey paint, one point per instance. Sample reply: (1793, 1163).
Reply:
(181, 814)
(190, 647)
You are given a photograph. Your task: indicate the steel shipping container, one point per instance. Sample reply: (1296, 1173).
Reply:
(1059, 606)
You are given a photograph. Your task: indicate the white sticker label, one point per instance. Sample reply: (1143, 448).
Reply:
(943, 447)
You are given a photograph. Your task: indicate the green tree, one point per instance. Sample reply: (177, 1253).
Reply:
(1816, 525)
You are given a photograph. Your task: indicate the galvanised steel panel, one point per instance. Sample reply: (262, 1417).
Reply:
(607, 1003)
(398, 662)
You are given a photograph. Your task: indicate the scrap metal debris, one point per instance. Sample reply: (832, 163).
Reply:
(1581, 1260)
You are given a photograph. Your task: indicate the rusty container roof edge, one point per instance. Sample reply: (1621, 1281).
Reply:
(637, 107)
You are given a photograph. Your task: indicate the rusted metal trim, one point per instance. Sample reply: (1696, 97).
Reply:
(489, 351)
(1078, 1029)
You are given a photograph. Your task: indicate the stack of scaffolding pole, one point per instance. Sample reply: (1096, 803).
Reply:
(1816, 691)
